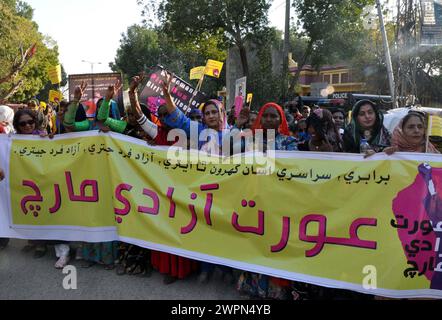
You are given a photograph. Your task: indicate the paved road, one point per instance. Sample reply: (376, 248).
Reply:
(23, 277)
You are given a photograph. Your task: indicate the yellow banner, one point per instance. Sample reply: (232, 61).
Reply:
(55, 96)
(197, 73)
(435, 126)
(214, 68)
(371, 226)
(55, 74)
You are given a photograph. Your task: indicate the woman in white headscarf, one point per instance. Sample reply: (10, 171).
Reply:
(6, 117)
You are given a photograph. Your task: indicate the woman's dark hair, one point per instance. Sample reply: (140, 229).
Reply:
(336, 110)
(292, 107)
(411, 114)
(318, 124)
(19, 114)
(63, 104)
(97, 107)
(357, 107)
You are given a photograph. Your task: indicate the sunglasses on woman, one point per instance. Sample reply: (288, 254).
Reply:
(24, 123)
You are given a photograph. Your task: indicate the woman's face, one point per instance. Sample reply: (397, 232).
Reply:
(366, 117)
(212, 117)
(252, 120)
(339, 119)
(306, 112)
(26, 124)
(32, 105)
(270, 119)
(414, 130)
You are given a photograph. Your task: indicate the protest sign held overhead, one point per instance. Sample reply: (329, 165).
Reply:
(214, 68)
(55, 96)
(435, 126)
(249, 98)
(54, 74)
(185, 96)
(96, 89)
(240, 94)
(197, 73)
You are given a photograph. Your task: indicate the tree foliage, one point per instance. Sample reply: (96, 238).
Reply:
(333, 28)
(233, 21)
(142, 48)
(19, 33)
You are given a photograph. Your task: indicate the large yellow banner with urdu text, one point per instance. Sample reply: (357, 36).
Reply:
(334, 220)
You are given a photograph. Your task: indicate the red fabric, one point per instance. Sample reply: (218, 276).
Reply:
(175, 266)
(2, 129)
(166, 263)
(161, 138)
(283, 128)
(281, 282)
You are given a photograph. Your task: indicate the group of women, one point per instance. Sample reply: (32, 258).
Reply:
(323, 128)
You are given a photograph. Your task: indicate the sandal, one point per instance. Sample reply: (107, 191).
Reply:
(109, 267)
(138, 270)
(120, 270)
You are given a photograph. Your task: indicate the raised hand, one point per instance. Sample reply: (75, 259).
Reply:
(166, 86)
(136, 81)
(79, 91)
(167, 96)
(113, 90)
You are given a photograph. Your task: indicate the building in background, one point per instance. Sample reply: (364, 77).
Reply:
(328, 80)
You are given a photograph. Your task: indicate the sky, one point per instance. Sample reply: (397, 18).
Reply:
(90, 30)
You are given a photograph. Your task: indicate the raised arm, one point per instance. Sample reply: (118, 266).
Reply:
(171, 107)
(69, 116)
(149, 127)
(133, 96)
(103, 114)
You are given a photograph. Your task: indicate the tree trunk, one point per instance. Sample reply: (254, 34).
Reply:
(295, 79)
(11, 92)
(244, 60)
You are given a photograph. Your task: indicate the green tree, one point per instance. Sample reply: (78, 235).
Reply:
(142, 48)
(139, 50)
(334, 29)
(25, 54)
(236, 21)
